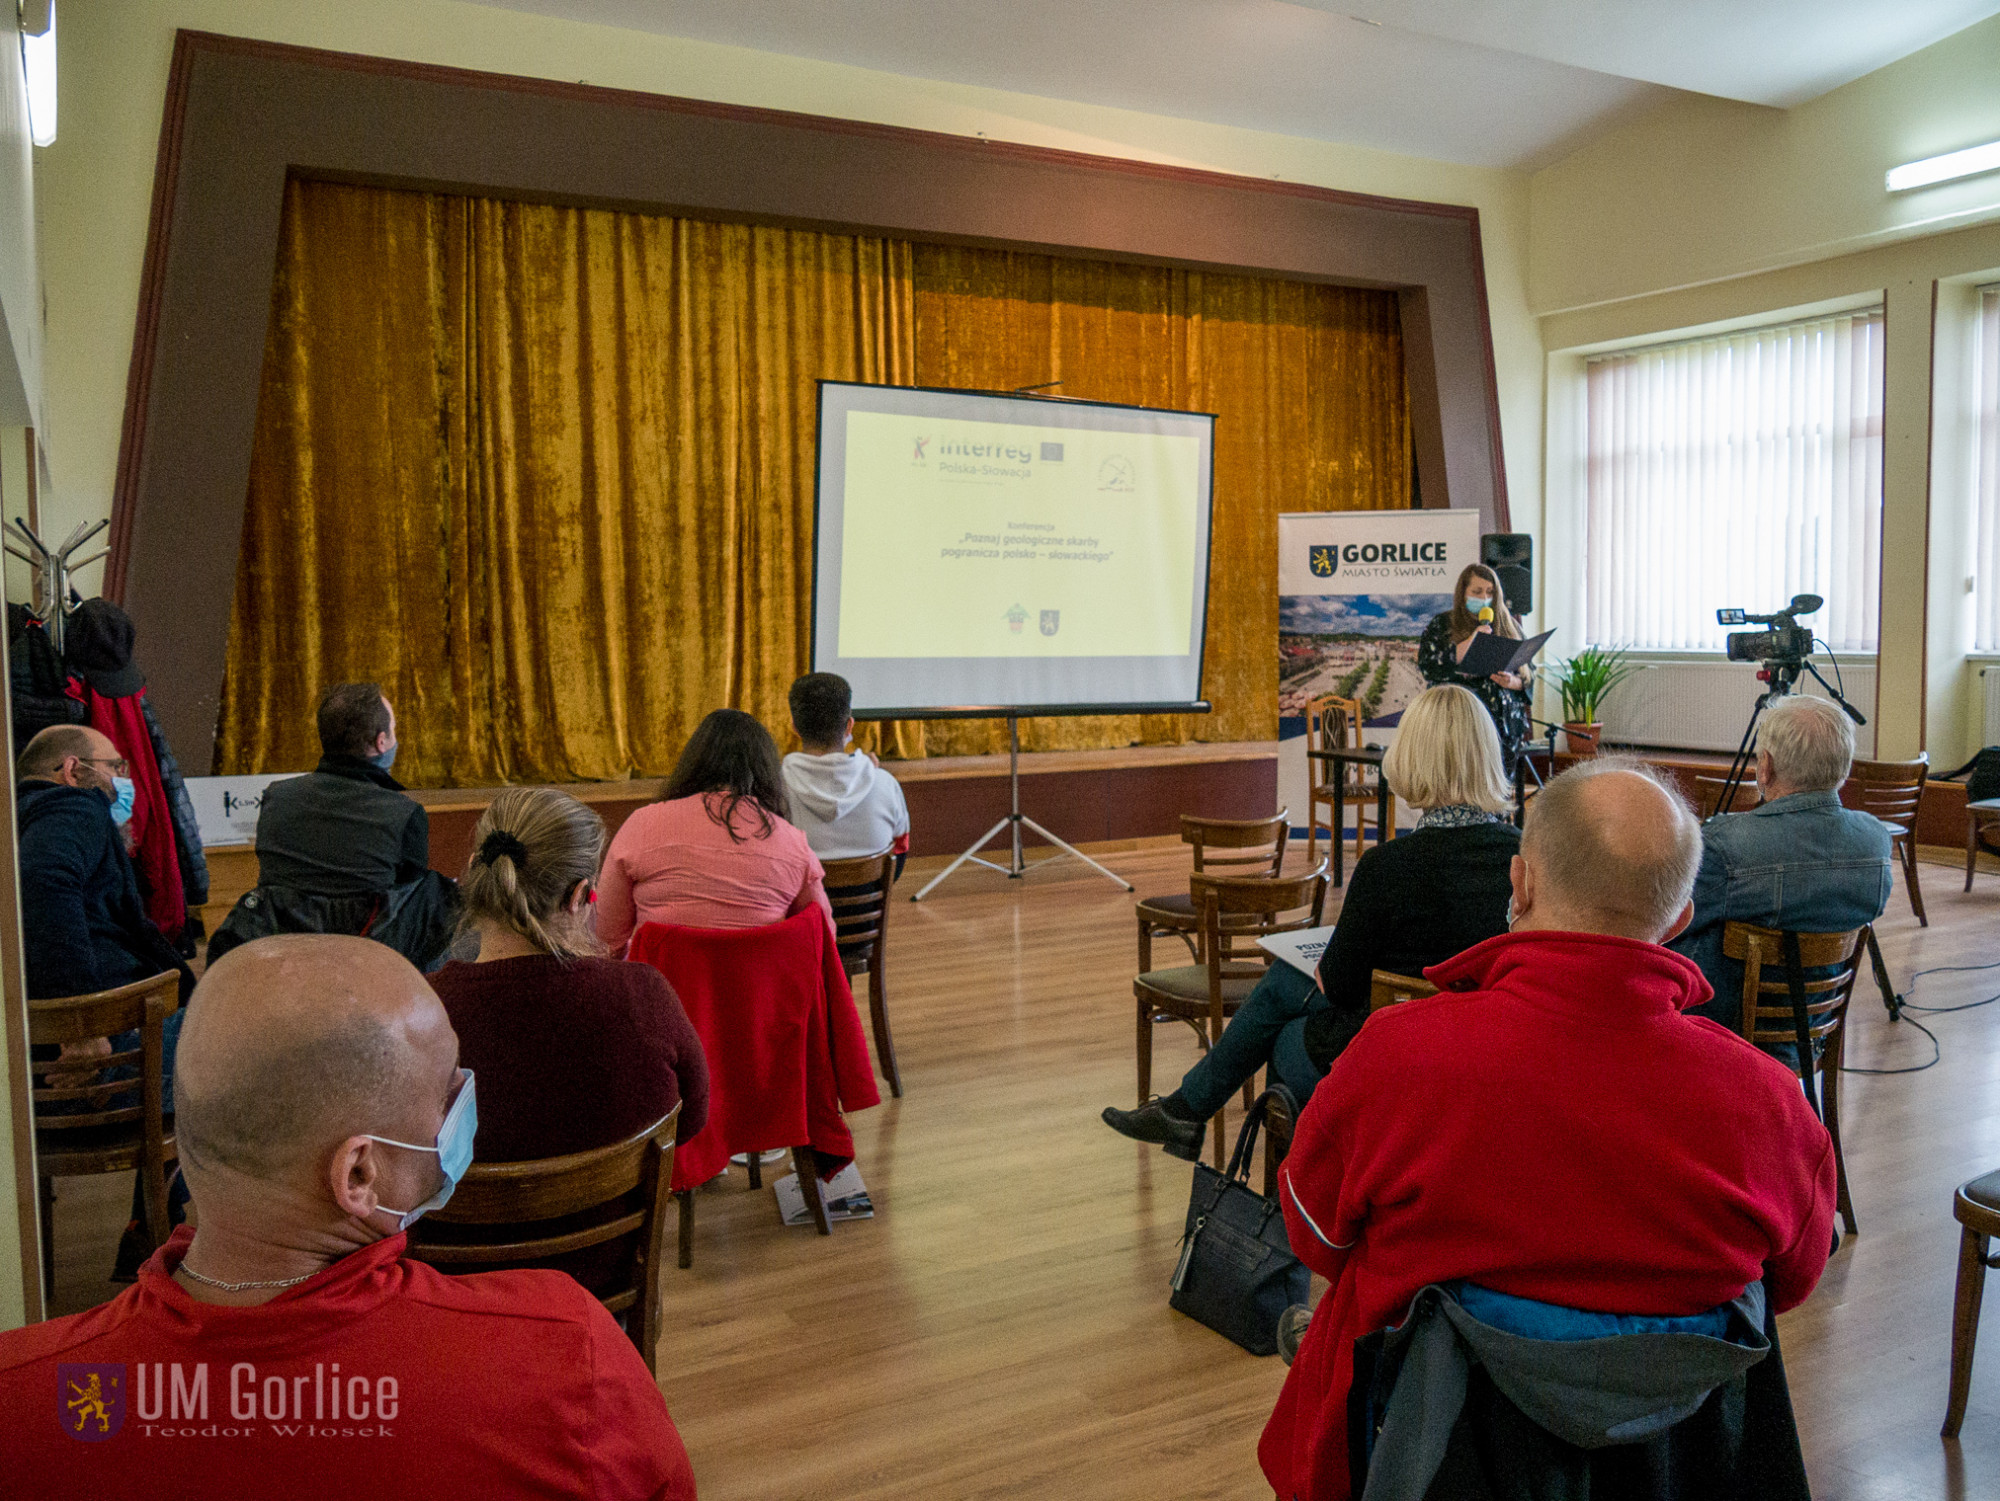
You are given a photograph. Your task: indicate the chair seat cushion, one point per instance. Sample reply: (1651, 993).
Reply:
(1174, 907)
(1985, 1192)
(1188, 983)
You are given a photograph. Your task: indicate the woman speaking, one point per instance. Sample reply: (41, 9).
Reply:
(1449, 636)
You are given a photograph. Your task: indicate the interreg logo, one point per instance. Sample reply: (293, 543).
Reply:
(917, 457)
(1325, 561)
(91, 1399)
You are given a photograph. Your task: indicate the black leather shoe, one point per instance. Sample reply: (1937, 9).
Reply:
(1151, 1122)
(1292, 1325)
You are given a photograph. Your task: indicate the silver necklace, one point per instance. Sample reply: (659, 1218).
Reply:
(243, 1287)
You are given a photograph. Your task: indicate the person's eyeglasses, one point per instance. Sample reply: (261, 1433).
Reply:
(116, 763)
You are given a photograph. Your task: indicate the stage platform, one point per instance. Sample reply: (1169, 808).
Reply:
(1099, 800)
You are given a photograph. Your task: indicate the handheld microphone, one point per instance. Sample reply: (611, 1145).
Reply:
(1486, 614)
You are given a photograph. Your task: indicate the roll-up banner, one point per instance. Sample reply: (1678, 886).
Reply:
(1355, 591)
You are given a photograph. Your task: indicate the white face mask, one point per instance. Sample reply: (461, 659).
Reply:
(453, 1148)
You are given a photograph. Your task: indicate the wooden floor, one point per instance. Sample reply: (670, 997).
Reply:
(1001, 1328)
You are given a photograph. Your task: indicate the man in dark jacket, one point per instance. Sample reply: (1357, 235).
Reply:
(343, 849)
(346, 828)
(83, 921)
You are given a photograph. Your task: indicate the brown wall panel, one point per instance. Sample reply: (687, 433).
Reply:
(239, 115)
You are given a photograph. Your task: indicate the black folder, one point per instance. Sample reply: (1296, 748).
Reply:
(1490, 654)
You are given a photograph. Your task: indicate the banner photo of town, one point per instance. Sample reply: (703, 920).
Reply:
(1355, 591)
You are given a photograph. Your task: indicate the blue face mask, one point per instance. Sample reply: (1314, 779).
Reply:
(1474, 604)
(386, 760)
(123, 793)
(454, 1152)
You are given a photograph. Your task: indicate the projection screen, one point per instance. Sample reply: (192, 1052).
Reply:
(980, 554)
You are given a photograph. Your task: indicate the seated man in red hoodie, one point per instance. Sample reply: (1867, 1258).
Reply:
(286, 1346)
(1551, 1126)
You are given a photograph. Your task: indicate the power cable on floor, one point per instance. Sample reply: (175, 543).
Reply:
(1907, 1005)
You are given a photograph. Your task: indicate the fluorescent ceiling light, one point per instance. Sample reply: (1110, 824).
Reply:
(1966, 163)
(38, 62)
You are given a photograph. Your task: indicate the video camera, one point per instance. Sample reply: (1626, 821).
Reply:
(1787, 644)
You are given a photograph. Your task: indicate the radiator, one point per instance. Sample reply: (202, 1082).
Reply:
(1990, 676)
(1705, 705)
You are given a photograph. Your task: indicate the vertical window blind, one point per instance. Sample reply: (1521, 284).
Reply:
(1986, 476)
(1737, 470)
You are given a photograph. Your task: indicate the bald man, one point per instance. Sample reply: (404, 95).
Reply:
(321, 1109)
(1553, 1126)
(83, 920)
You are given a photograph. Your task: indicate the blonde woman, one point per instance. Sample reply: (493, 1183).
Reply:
(1411, 903)
(572, 1050)
(1449, 637)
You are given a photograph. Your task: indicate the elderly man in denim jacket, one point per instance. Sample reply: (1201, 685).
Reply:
(1800, 861)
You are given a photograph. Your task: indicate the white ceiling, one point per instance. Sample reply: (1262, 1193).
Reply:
(1492, 83)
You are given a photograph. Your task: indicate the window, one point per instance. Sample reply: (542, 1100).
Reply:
(1986, 475)
(1736, 470)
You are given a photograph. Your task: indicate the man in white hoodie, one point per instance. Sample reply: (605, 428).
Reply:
(844, 803)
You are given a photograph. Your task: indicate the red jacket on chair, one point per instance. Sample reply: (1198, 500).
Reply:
(786, 1053)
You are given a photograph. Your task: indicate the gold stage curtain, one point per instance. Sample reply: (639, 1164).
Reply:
(547, 473)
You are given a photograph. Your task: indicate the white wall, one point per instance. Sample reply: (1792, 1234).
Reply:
(20, 405)
(1707, 210)
(96, 181)
(1706, 189)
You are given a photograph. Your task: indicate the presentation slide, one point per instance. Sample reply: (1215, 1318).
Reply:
(977, 550)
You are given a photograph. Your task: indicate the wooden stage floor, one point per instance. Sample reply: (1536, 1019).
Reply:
(1002, 1330)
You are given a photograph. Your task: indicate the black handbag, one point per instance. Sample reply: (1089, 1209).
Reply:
(1237, 1272)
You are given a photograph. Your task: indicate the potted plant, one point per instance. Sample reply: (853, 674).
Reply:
(1585, 681)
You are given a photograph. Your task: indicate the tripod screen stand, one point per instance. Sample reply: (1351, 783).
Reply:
(1013, 823)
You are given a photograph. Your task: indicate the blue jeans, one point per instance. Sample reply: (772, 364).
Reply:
(1268, 1028)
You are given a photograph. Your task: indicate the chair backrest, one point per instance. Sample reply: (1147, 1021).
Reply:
(1891, 790)
(1238, 846)
(1767, 994)
(776, 1017)
(1236, 911)
(142, 1007)
(528, 1214)
(1708, 795)
(859, 890)
(1386, 988)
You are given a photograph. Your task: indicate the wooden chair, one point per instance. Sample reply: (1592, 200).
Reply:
(1979, 817)
(1235, 912)
(1708, 795)
(82, 1129)
(1334, 721)
(1386, 988)
(1230, 846)
(1892, 791)
(525, 1214)
(1976, 1207)
(1767, 1012)
(859, 890)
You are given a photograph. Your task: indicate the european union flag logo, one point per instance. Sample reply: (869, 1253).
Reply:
(1325, 561)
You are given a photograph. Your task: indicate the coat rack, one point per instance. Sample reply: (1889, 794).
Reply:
(53, 568)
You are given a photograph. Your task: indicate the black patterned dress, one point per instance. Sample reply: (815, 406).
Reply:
(1437, 660)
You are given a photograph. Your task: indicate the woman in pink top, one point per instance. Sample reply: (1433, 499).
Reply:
(715, 851)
